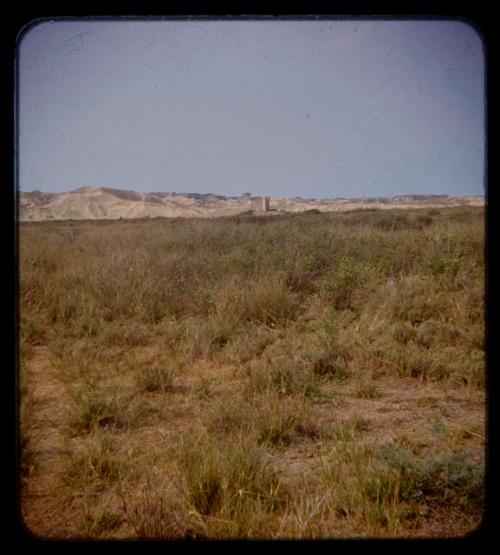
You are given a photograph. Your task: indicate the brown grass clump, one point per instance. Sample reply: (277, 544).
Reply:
(155, 378)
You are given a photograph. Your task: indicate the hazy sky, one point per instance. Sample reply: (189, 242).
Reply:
(285, 108)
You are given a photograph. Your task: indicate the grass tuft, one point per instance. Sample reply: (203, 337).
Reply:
(155, 378)
(97, 409)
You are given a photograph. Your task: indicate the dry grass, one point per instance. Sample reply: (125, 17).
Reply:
(299, 376)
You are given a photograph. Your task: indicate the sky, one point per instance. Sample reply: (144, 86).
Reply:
(317, 109)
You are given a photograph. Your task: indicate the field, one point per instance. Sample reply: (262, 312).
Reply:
(313, 375)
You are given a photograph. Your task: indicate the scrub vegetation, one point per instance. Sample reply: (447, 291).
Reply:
(311, 375)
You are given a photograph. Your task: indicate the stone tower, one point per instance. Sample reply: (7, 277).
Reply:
(260, 204)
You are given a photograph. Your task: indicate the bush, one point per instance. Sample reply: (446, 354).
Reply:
(340, 285)
(263, 300)
(448, 478)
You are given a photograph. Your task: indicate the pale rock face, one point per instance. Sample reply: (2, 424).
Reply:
(93, 203)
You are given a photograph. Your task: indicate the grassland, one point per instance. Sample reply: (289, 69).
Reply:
(296, 376)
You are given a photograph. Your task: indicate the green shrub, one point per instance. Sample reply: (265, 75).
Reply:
(340, 285)
(447, 478)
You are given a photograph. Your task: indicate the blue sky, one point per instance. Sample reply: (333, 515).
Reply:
(285, 108)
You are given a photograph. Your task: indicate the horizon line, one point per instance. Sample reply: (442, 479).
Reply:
(249, 194)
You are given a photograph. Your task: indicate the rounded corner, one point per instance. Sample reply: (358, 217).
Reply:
(478, 528)
(27, 27)
(25, 528)
(475, 28)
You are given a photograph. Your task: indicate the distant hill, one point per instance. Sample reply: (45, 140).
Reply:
(93, 203)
